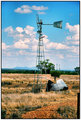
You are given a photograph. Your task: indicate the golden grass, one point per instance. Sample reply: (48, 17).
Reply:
(17, 96)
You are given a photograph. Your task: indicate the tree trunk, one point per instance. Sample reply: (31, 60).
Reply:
(55, 78)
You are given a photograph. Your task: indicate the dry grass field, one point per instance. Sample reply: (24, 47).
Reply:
(19, 102)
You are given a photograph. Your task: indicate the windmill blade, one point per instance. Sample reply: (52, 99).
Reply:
(37, 20)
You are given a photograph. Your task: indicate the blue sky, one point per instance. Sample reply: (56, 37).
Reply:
(19, 37)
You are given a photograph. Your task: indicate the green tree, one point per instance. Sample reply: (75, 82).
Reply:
(55, 74)
(46, 66)
(77, 69)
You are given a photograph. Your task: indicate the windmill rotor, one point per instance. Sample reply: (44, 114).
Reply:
(37, 20)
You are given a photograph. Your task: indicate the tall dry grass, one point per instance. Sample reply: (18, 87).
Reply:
(17, 96)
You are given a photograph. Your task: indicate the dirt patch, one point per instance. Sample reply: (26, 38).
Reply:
(51, 111)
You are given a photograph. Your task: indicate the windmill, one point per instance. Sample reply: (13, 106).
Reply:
(40, 49)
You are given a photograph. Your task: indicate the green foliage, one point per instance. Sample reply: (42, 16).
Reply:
(75, 87)
(77, 69)
(18, 71)
(15, 115)
(46, 66)
(3, 114)
(35, 71)
(67, 72)
(55, 73)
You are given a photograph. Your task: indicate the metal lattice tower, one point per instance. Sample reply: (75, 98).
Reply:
(40, 51)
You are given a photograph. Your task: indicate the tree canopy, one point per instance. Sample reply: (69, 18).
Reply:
(46, 66)
(55, 74)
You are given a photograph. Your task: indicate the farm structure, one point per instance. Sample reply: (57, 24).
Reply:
(40, 52)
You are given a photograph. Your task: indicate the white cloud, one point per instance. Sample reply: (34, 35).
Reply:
(25, 6)
(6, 53)
(72, 42)
(71, 56)
(18, 35)
(28, 9)
(23, 9)
(41, 12)
(25, 38)
(4, 46)
(19, 29)
(20, 45)
(73, 31)
(45, 39)
(39, 8)
(29, 31)
(54, 45)
(75, 49)
(73, 37)
(9, 29)
(22, 52)
(60, 56)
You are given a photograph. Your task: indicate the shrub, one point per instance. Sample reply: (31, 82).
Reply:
(5, 83)
(3, 114)
(55, 74)
(75, 87)
(14, 116)
(24, 109)
(34, 108)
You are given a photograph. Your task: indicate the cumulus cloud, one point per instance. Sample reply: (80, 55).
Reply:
(20, 44)
(75, 49)
(73, 33)
(9, 29)
(27, 39)
(39, 8)
(24, 38)
(54, 45)
(4, 46)
(28, 9)
(19, 29)
(45, 39)
(23, 9)
(74, 29)
(29, 30)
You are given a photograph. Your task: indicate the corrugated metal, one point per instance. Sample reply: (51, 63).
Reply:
(60, 84)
